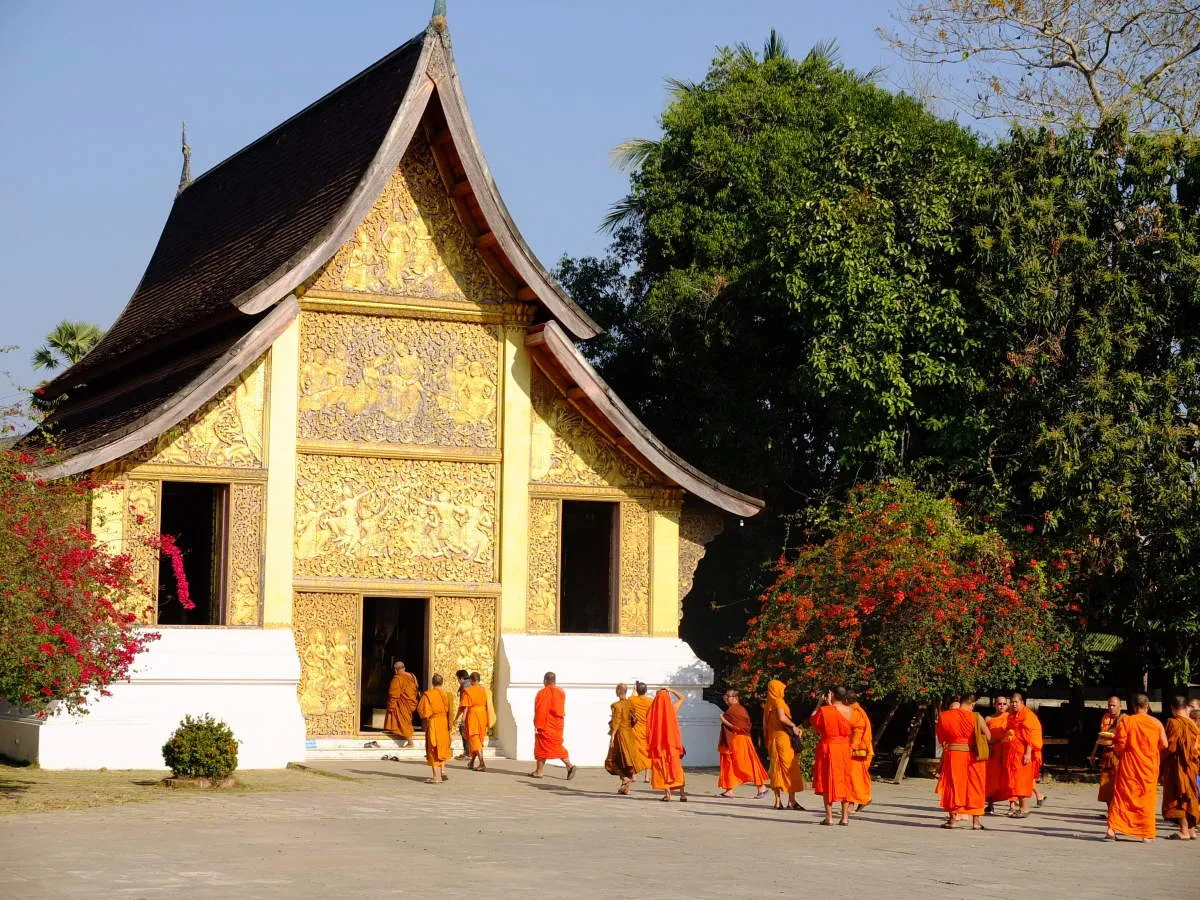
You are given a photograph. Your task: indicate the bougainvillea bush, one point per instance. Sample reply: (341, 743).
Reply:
(905, 600)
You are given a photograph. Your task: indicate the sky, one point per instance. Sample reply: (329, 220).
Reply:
(94, 94)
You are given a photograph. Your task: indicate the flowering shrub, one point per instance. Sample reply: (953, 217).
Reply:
(201, 747)
(905, 601)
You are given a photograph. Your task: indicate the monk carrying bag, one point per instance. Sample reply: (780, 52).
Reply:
(983, 749)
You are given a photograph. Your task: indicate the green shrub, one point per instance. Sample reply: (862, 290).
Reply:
(201, 747)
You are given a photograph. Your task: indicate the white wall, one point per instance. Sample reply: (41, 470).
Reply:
(245, 677)
(588, 667)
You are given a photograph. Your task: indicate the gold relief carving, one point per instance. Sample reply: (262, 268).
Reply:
(400, 381)
(326, 631)
(634, 600)
(395, 518)
(696, 528)
(246, 504)
(141, 526)
(464, 635)
(226, 431)
(541, 605)
(412, 243)
(565, 448)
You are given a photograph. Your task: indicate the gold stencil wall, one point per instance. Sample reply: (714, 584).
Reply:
(464, 636)
(142, 503)
(326, 631)
(541, 607)
(634, 597)
(247, 505)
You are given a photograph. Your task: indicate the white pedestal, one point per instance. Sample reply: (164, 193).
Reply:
(245, 677)
(588, 667)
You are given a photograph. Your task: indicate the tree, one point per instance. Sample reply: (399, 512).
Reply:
(1064, 62)
(67, 344)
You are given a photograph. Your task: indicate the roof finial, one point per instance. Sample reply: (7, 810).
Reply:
(185, 177)
(437, 21)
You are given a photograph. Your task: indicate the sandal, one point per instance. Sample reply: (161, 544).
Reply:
(843, 823)
(947, 825)
(682, 796)
(1018, 815)
(432, 781)
(823, 822)
(664, 799)
(570, 772)
(1041, 801)
(761, 794)
(978, 828)
(725, 795)
(796, 806)
(535, 775)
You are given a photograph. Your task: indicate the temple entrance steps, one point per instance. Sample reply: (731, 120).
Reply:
(373, 747)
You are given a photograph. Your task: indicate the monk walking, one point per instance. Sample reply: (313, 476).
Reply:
(778, 731)
(549, 714)
(666, 745)
(402, 702)
(1138, 742)
(624, 757)
(739, 762)
(434, 710)
(1022, 754)
(641, 706)
(964, 774)
(997, 775)
(473, 713)
(862, 751)
(1102, 752)
(831, 761)
(1180, 765)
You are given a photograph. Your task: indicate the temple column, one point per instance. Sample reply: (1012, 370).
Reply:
(516, 410)
(664, 564)
(280, 539)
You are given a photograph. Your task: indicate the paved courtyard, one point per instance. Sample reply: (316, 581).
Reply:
(503, 835)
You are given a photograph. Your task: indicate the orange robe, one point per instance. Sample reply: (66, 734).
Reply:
(831, 761)
(739, 762)
(434, 710)
(785, 766)
(1138, 744)
(624, 757)
(862, 751)
(549, 713)
(402, 701)
(1180, 763)
(964, 778)
(641, 706)
(1107, 759)
(1024, 730)
(998, 790)
(474, 700)
(666, 745)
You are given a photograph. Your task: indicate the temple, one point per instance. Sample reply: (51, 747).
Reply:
(352, 393)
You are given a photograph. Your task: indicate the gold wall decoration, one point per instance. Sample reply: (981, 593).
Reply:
(697, 526)
(541, 606)
(634, 595)
(393, 380)
(464, 636)
(396, 518)
(326, 631)
(142, 514)
(568, 449)
(226, 431)
(412, 243)
(247, 503)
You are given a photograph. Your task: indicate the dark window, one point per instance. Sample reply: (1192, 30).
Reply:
(193, 513)
(588, 567)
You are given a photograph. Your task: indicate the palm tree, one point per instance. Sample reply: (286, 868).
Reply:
(67, 344)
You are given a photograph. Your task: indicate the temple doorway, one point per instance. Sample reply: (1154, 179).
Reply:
(588, 565)
(393, 628)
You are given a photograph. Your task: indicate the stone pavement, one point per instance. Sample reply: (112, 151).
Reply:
(501, 835)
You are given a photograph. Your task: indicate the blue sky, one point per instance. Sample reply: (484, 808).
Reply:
(94, 94)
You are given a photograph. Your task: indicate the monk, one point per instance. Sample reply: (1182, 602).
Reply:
(641, 706)
(666, 745)
(739, 762)
(1102, 752)
(1138, 742)
(473, 713)
(402, 702)
(434, 710)
(463, 677)
(778, 731)
(549, 714)
(964, 774)
(624, 756)
(997, 776)
(831, 760)
(1022, 754)
(862, 751)
(1180, 765)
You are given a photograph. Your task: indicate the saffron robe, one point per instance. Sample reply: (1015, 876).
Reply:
(1137, 743)
(474, 700)
(997, 776)
(641, 731)
(624, 757)
(785, 766)
(1180, 764)
(831, 761)
(402, 701)
(739, 762)
(1107, 759)
(434, 710)
(549, 713)
(964, 778)
(862, 751)
(1024, 730)
(666, 745)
